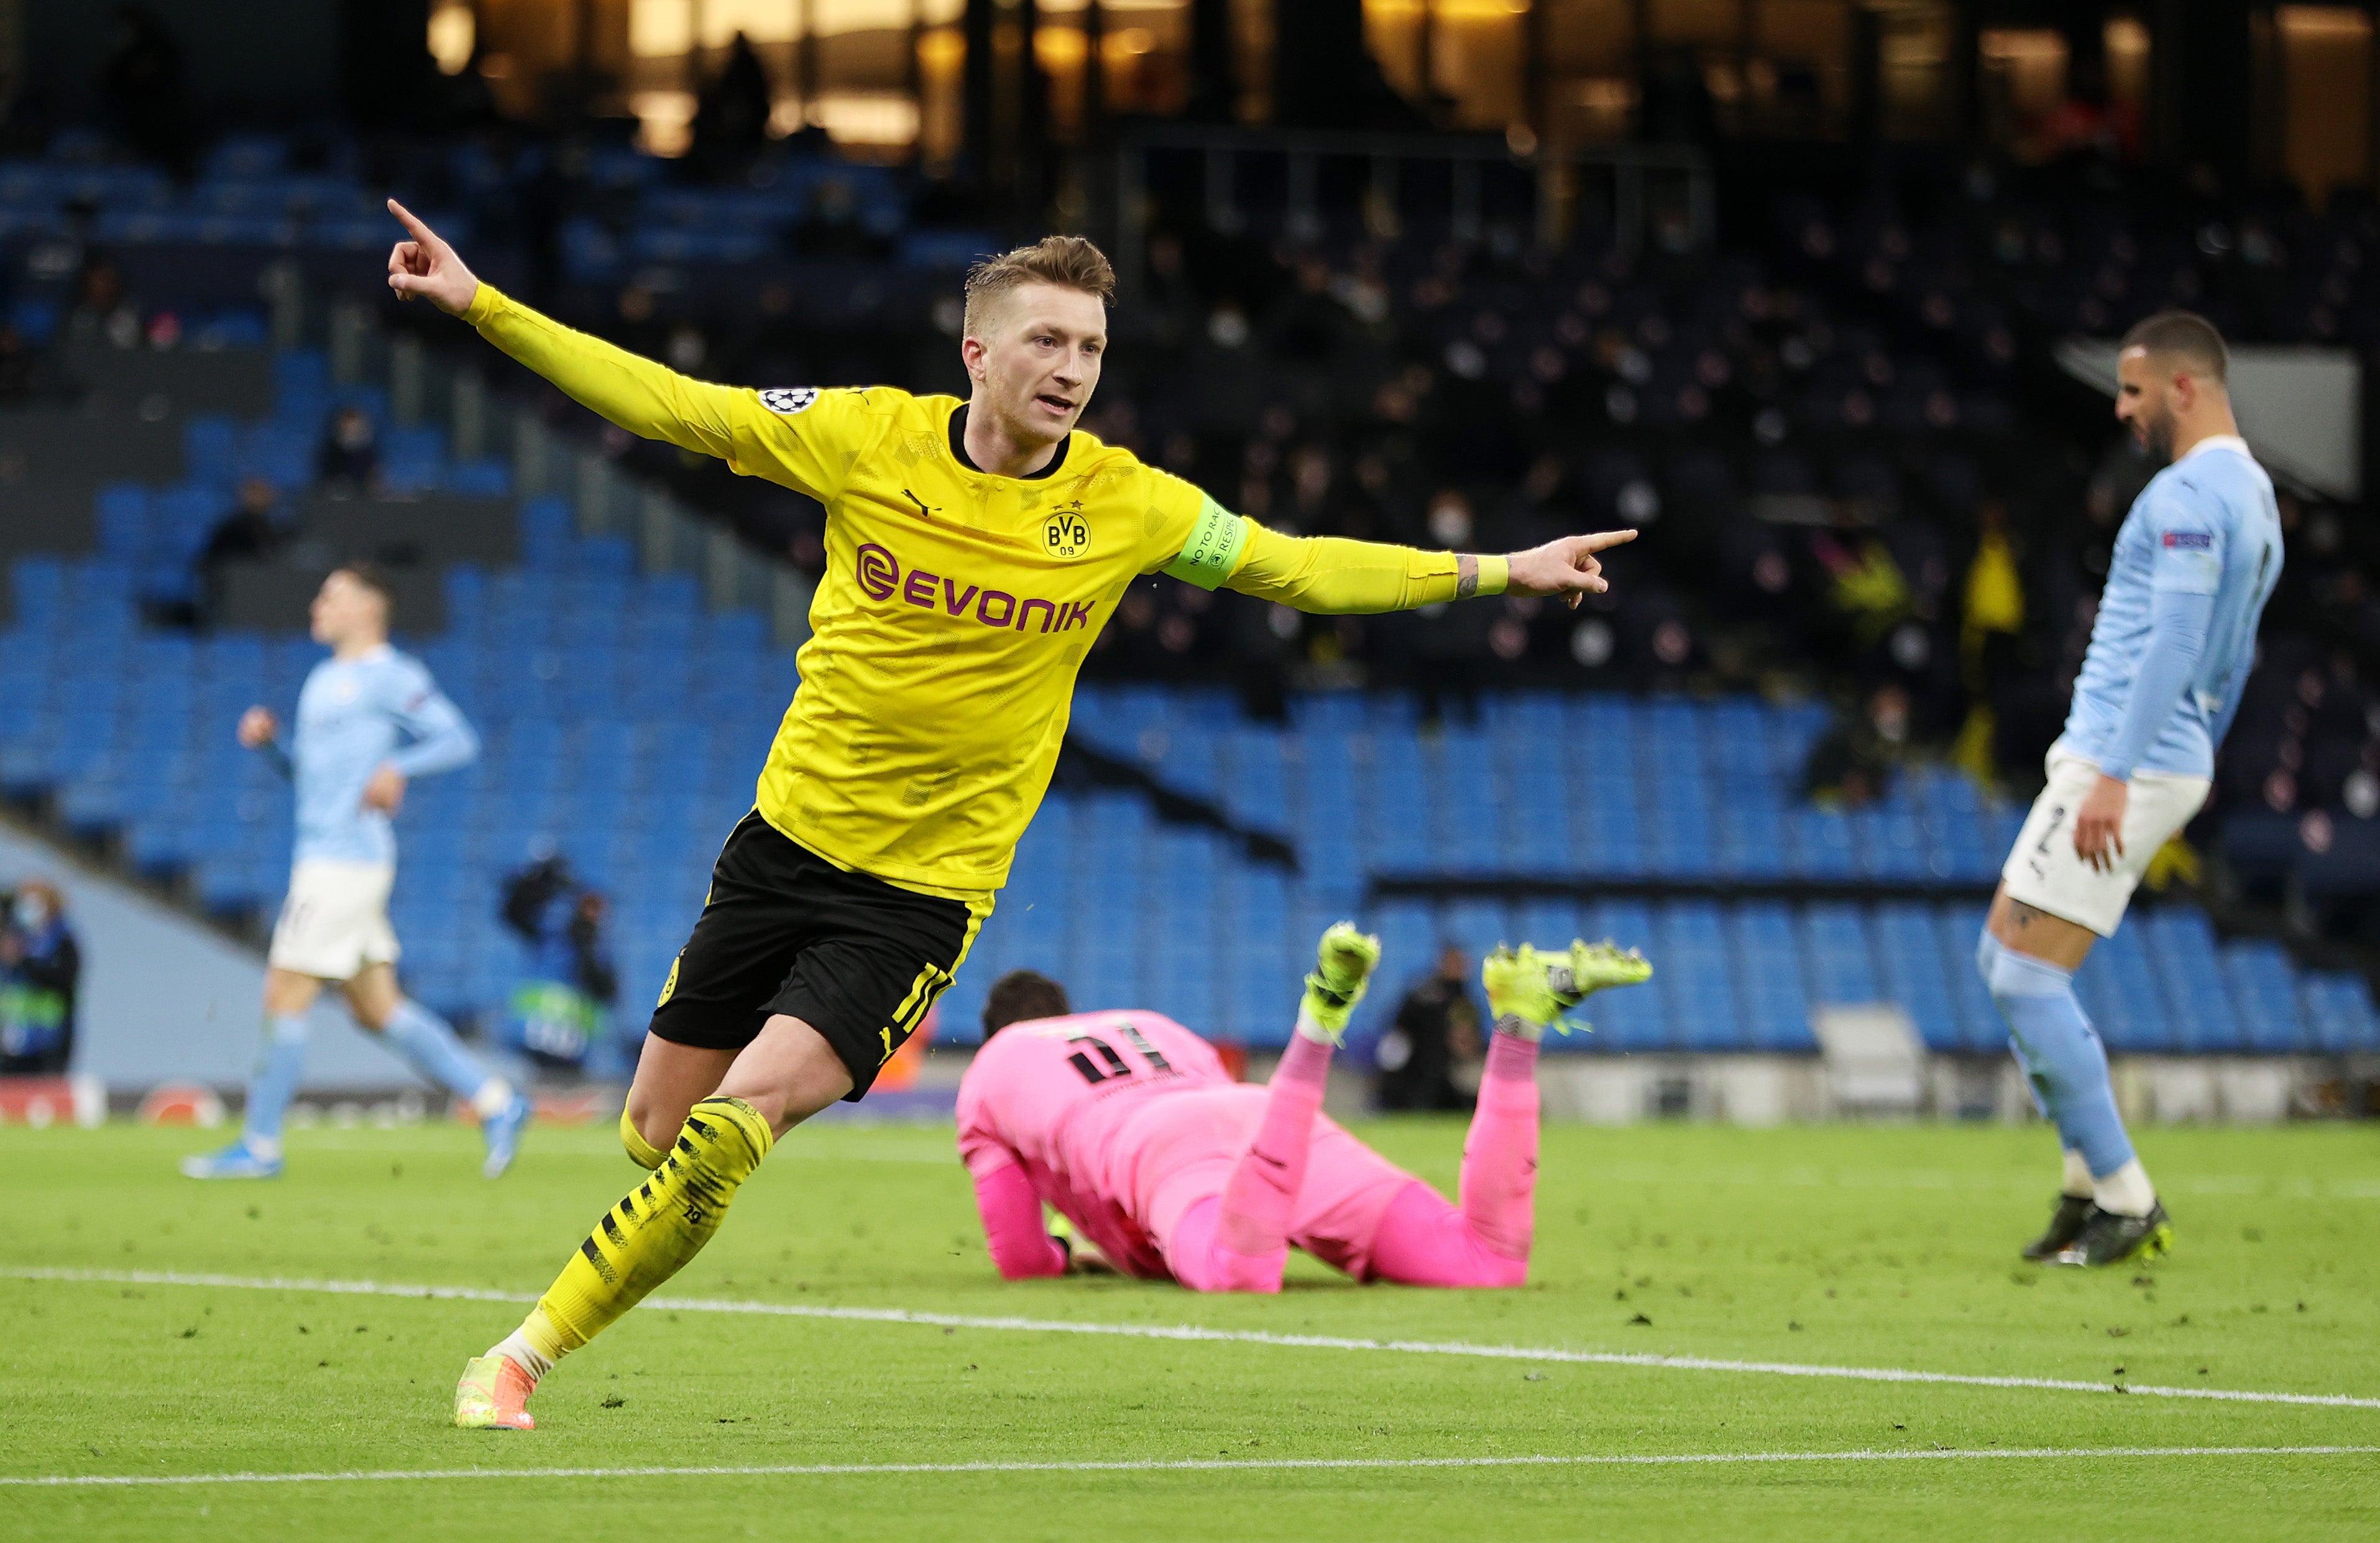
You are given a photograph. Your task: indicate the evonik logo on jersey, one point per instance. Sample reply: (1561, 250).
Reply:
(879, 573)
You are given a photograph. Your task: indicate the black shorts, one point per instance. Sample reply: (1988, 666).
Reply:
(786, 931)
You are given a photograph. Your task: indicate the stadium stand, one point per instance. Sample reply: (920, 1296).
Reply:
(1806, 462)
(625, 724)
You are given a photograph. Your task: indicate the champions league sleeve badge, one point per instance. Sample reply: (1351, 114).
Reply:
(788, 400)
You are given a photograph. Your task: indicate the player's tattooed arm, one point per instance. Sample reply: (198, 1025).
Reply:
(1466, 576)
(1566, 567)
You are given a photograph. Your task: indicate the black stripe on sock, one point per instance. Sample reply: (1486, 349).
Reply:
(603, 1266)
(612, 1231)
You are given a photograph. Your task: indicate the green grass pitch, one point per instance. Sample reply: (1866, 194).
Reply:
(1848, 1246)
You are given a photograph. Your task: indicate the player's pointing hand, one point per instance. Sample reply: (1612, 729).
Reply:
(426, 266)
(1567, 566)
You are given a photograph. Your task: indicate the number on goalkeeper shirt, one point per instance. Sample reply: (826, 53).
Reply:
(1098, 1061)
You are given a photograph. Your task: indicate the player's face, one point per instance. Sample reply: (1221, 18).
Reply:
(1038, 360)
(345, 610)
(2144, 402)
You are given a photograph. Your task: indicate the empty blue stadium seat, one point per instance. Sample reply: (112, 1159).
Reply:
(2185, 961)
(2338, 1013)
(2263, 994)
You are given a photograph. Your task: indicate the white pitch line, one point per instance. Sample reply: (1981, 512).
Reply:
(1812, 1177)
(1194, 1332)
(1183, 1465)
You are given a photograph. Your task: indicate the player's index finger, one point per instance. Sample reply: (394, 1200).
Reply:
(411, 222)
(1600, 540)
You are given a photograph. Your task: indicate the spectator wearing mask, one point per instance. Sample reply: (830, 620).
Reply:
(41, 965)
(560, 1012)
(1433, 1046)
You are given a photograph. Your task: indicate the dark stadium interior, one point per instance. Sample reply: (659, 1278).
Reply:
(1783, 285)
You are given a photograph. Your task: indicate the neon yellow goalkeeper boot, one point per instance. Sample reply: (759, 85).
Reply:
(1342, 968)
(494, 1395)
(1528, 989)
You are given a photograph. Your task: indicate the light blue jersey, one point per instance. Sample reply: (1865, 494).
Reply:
(355, 716)
(2196, 560)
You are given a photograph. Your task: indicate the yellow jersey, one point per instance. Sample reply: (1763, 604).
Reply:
(957, 605)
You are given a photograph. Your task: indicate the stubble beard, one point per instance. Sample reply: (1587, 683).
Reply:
(2158, 436)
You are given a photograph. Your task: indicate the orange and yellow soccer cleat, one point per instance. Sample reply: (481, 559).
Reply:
(494, 1395)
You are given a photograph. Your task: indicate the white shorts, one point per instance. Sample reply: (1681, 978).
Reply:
(2043, 870)
(335, 923)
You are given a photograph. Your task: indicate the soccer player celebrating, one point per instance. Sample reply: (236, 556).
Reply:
(973, 551)
(2176, 635)
(1127, 1125)
(351, 770)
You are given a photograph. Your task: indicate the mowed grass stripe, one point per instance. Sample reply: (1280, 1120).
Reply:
(1159, 1465)
(1192, 1333)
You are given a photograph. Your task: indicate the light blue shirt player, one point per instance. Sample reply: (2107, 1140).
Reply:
(369, 720)
(355, 715)
(2194, 563)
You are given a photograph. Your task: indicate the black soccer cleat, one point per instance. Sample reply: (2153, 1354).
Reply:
(2065, 1226)
(2108, 1238)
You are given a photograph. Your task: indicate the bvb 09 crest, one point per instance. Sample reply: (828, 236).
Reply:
(1067, 534)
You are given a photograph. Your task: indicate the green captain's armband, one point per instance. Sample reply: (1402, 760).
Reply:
(1213, 549)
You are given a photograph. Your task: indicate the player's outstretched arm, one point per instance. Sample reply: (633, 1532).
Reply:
(641, 396)
(1334, 575)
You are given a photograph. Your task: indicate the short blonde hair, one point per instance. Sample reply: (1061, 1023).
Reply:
(1068, 261)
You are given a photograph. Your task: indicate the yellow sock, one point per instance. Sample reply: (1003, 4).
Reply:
(658, 1226)
(641, 1152)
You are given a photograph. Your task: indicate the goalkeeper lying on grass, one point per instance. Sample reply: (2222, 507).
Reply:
(1127, 1125)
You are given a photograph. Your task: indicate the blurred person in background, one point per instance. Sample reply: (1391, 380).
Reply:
(1855, 761)
(142, 82)
(560, 1016)
(1431, 1050)
(41, 965)
(256, 526)
(104, 309)
(731, 118)
(348, 461)
(370, 719)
